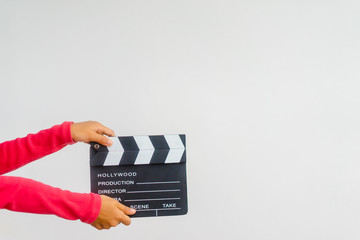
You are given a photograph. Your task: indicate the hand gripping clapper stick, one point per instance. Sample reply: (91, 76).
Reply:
(147, 173)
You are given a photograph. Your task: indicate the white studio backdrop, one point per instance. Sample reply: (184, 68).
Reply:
(267, 93)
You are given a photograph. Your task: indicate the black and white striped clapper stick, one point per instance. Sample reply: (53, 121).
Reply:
(142, 150)
(147, 173)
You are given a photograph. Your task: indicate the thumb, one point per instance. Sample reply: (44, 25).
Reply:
(125, 209)
(101, 139)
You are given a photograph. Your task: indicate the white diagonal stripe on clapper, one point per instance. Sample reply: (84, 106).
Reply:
(176, 148)
(115, 153)
(146, 150)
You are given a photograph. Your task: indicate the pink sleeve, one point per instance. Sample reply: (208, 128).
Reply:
(25, 195)
(18, 152)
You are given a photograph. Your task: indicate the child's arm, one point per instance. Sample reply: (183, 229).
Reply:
(18, 152)
(26, 195)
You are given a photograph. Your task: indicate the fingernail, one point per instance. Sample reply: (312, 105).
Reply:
(132, 211)
(109, 142)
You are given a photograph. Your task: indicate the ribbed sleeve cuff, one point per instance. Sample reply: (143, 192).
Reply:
(66, 132)
(94, 210)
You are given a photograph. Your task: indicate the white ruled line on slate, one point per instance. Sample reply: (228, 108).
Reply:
(158, 182)
(145, 210)
(149, 191)
(154, 199)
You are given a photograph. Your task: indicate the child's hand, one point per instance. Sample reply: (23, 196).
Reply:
(112, 213)
(91, 131)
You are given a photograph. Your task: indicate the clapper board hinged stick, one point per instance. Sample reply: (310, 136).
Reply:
(147, 173)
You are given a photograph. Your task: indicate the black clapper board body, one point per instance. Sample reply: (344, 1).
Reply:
(147, 173)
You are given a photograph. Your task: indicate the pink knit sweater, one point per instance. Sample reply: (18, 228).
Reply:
(26, 195)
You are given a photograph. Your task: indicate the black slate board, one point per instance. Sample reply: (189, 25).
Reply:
(151, 179)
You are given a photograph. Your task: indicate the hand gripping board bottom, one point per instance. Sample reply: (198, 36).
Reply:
(147, 173)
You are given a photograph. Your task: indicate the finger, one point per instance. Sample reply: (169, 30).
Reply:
(97, 226)
(105, 130)
(114, 223)
(124, 219)
(101, 139)
(125, 209)
(106, 226)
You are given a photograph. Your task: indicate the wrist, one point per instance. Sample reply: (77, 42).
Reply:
(72, 133)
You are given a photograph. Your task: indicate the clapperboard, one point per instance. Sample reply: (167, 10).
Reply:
(147, 173)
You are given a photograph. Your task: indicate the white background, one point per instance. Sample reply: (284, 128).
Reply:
(267, 93)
